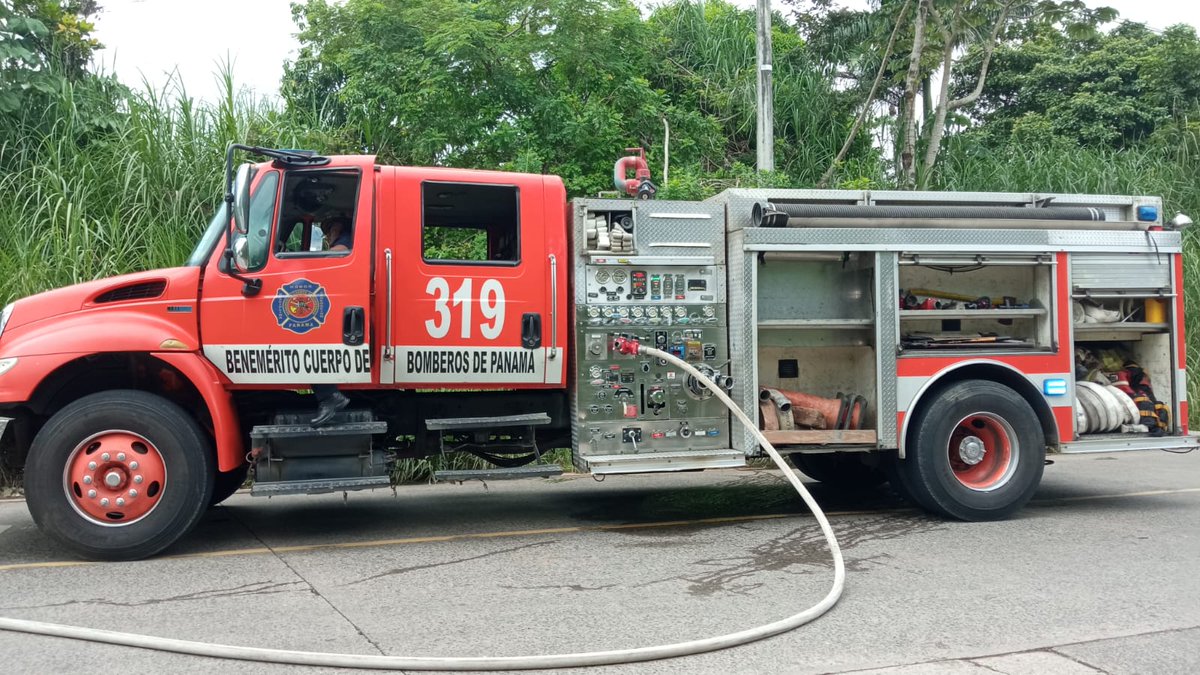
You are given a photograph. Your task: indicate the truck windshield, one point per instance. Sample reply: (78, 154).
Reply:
(208, 242)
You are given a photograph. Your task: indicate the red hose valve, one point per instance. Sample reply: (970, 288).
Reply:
(625, 345)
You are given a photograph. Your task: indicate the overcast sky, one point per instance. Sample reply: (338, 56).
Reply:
(150, 38)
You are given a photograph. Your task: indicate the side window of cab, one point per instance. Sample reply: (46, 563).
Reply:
(317, 215)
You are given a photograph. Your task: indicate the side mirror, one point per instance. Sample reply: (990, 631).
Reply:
(241, 255)
(241, 198)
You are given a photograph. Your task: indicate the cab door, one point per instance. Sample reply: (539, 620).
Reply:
(310, 322)
(471, 282)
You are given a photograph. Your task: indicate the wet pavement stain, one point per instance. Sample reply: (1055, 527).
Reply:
(414, 568)
(748, 494)
(258, 588)
(801, 551)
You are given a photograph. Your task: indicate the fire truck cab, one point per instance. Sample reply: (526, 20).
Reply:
(943, 341)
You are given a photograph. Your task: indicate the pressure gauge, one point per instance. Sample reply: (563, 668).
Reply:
(593, 312)
(623, 312)
(709, 311)
(652, 312)
(637, 312)
(619, 276)
(680, 312)
(601, 276)
(610, 312)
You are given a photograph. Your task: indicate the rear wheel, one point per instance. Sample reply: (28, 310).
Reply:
(975, 452)
(119, 475)
(842, 470)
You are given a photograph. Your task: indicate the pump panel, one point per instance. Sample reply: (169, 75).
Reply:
(635, 405)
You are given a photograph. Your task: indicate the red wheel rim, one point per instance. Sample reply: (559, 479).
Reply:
(983, 451)
(115, 478)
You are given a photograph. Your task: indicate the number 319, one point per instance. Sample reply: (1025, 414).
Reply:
(491, 306)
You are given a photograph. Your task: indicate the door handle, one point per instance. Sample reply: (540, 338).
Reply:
(531, 330)
(353, 325)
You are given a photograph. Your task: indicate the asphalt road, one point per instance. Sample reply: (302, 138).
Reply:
(1099, 574)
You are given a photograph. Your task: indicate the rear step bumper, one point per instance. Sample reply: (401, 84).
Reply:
(1127, 442)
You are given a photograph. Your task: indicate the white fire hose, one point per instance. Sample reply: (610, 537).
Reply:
(330, 660)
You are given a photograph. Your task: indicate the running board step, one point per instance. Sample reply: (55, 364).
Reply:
(319, 486)
(528, 471)
(525, 420)
(652, 462)
(264, 431)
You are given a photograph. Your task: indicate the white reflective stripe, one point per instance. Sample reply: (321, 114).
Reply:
(906, 390)
(555, 367)
(1181, 384)
(457, 365)
(292, 363)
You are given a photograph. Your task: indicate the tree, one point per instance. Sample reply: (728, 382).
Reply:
(42, 43)
(1107, 90)
(486, 84)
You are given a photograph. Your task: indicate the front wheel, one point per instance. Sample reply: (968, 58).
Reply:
(975, 452)
(119, 475)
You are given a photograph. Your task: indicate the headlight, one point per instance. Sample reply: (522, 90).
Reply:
(4, 314)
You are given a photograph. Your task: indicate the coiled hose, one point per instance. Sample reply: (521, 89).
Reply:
(330, 660)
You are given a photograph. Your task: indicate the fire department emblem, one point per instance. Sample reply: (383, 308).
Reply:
(300, 306)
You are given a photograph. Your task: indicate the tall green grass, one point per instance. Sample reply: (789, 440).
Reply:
(104, 180)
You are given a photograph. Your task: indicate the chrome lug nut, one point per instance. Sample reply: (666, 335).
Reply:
(91, 494)
(104, 502)
(120, 501)
(133, 465)
(138, 479)
(87, 480)
(133, 493)
(106, 457)
(120, 457)
(91, 466)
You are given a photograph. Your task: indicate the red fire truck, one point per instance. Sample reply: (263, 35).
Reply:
(943, 341)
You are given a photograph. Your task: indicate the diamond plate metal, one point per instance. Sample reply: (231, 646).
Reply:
(743, 338)
(887, 338)
(1115, 207)
(680, 229)
(957, 240)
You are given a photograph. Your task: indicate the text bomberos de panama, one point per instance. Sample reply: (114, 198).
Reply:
(445, 361)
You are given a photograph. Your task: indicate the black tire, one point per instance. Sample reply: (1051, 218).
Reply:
(226, 483)
(841, 470)
(975, 452)
(83, 446)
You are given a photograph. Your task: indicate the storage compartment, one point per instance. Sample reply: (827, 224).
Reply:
(1124, 388)
(956, 304)
(816, 344)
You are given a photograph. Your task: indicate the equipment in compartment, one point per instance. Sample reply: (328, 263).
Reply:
(609, 231)
(1114, 394)
(782, 410)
